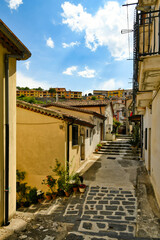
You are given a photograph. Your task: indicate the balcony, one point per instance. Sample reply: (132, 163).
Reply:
(144, 99)
(143, 3)
(147, 50)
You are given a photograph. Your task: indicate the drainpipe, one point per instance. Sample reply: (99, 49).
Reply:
(6, 190)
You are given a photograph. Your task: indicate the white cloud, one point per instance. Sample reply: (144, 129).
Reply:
(110, 84)
(101, 29)
(87, 73)
(70, 70)
(14, 4)
(27, 64)
(50, 43)
(72, 44)
(25, 81)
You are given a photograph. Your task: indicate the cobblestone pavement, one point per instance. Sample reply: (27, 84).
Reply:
(112, 208)
(107, 212)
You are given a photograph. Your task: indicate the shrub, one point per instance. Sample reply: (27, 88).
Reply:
(33, 198)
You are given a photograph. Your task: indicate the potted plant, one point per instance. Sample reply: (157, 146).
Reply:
(51, 183)
(75, 180)
(40, 196)
(22, 190)
(99, 146)
(33, 195)
(48, 196)
(97, 149)
(82, 188)
(67, 188)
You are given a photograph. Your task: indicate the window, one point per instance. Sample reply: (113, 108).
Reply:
(74, 135)
(87, 133)
(146, 138)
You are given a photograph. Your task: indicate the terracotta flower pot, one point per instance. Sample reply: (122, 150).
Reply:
(67, 194)
(75, 189)
(40, 200)
(54, 195)
(48, 197)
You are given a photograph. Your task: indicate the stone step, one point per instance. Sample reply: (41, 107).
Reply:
(117, 152)
(118, 144)
(111, 231)
(81, 236)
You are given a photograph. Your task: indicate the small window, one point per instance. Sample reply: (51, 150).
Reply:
(87, 133)
(146, 138)
(74, 135)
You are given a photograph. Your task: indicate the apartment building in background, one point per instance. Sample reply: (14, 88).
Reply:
(112, 93)
(51, 93)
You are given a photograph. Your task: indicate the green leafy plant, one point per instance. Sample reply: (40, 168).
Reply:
(40, 194)
(135, 141)
(116, 125)
(99, 145)
(63, 176)
(50, 182)
(75, 180)
(48, 194)
(21, 188)
(33, 198)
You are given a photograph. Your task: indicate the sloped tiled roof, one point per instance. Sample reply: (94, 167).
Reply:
(10, 41)
(75, 109)
(54, 113)
(86, 102)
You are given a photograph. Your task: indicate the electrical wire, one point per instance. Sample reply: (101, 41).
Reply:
(128, 32)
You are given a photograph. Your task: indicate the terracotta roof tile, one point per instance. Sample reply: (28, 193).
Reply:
(54, 113)
(75, 109)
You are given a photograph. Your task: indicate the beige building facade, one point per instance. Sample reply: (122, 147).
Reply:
(11, 50)
(147, 69)
(46, 134)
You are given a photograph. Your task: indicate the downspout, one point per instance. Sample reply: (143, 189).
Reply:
(6, 190)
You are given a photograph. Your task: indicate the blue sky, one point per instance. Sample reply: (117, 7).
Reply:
(74, 44)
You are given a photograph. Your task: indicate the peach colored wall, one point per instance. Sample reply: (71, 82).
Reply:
(39, 142)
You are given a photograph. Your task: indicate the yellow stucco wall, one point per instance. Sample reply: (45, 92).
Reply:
(155, 146)
(12, 132)
(39, 142)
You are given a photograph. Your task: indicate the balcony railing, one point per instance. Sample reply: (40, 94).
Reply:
(148, 35)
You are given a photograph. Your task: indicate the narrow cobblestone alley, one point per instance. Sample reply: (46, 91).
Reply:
(114, 206)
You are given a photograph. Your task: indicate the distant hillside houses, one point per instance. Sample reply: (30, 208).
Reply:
(51, 93)
(104, 94)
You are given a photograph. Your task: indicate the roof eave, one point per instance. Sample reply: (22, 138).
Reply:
(13, 38)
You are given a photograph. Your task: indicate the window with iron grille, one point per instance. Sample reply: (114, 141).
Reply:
(74, 135)
(146, 138)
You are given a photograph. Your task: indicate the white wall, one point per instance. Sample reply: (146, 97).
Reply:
(109, 121)
(93, 138)
(155, 147)
(147, 124)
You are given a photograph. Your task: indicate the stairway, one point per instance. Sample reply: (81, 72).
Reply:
(120, 148)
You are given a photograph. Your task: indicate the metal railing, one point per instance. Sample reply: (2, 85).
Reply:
(148, 27)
